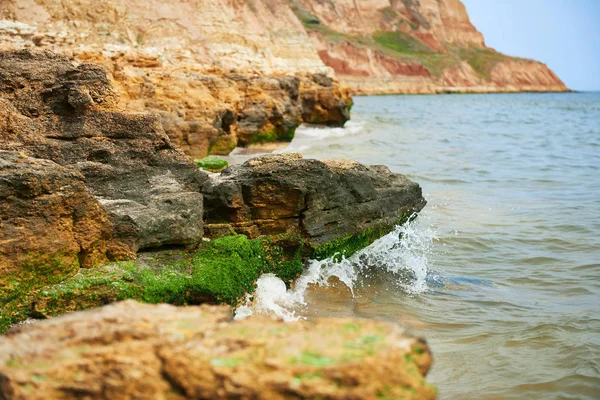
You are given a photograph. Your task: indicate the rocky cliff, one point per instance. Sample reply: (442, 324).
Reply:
(219, 73)
(226, 73)
(414, 46)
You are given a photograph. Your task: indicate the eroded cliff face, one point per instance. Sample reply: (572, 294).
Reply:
(227, 73)
(220, 73)
(414, 46)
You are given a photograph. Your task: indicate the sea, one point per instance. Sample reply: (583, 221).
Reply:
(500, 272)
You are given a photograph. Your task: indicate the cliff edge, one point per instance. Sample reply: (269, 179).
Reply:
(220, 73)
(414, 46)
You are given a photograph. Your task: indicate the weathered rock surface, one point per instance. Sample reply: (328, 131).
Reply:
(319, 201)
(212, 112)
(220, 73)
(49, 220)
(54, 108)
(130, 350)
(406, 46)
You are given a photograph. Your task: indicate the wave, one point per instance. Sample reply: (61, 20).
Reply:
(401, 254)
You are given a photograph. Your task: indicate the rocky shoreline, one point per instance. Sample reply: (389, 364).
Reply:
(214, 86)
(87, 189)
(226, 74)
(99, 185)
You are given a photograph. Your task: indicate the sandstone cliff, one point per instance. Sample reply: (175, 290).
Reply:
(226, 73)
(219, 73)
(414, 46)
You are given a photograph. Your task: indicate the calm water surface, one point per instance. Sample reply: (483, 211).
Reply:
(509, 240)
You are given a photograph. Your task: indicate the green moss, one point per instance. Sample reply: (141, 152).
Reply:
(212, 163)
(348, 245)
(37, 271)
(350, 105)
(222, 271)
(227, 268)
(225, 362)
(371, 339)
(400, 42)
(314, 359)
(287, 135)
(482, 60)
(264, 137)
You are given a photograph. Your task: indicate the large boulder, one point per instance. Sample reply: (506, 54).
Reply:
(320, 202)
(55, 108)
(135, 351)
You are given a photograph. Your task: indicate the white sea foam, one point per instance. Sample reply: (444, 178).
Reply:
(306, 135)
(403, 253)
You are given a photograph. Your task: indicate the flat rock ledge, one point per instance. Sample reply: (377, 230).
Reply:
(129, 350)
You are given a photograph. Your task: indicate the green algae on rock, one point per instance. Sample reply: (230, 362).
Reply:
(220, 271)
(212, 163)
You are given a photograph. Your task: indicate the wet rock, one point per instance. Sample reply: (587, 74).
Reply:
(131, 350)
(317, 201)
(55, 108)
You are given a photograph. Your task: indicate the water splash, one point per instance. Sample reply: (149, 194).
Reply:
(403, 254)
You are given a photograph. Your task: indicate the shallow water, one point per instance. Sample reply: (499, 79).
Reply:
(503, 274)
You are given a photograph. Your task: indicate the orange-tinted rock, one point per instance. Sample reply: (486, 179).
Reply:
(54, 108)
(220, 74)
(131, 350)
(51, 225)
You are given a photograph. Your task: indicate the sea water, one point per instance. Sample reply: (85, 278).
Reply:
(501, 270)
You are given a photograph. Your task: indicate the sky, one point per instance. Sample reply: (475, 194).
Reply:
(564, 34)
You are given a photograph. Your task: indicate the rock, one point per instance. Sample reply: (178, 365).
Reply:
(285, 196)
(54, 108)
(131, 350)
(51, 225)
(212, 112)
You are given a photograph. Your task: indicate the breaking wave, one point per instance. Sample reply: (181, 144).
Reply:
(401, 254)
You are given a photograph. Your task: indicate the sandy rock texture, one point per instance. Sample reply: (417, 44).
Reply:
(219, 73)
(48, 218)
(406, 46)
(135, 351)
(90, 169)
(320, 201)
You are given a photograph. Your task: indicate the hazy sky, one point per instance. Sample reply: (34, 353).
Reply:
(564, 34)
